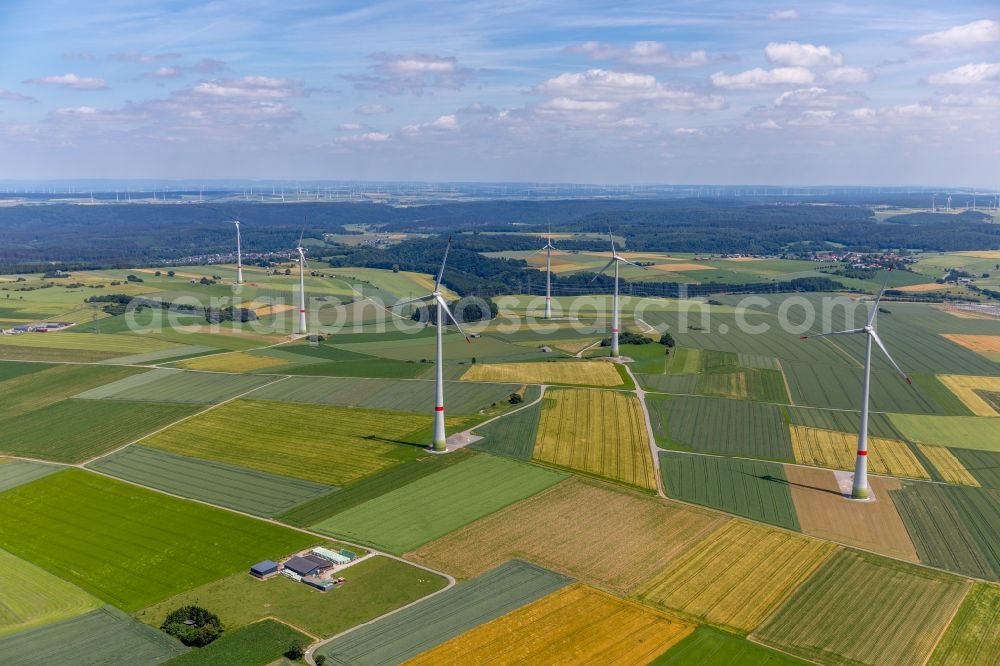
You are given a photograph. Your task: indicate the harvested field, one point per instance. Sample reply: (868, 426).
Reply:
(823, 621)
(566, 529)
(31, 596)
(824, 513)
(102, 636)
(948, 466)
(736, 576)
(920, 288)
(377, 586)
(981, 344)
(130, 546)
(232, 362)
(165, 385)
(403, 635)
(250, 491)
(720, 648)
(587, 373)
(966, 387)
(257, 644)
(980, 254)
(14, 473)
(577, 623)
(329, 445)
(964, 432)
(953, 527)
(838, 450)
(596, 432)
(430, 507)
(754, 489)
(973, 636)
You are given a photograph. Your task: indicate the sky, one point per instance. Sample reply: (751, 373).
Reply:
(723, 92)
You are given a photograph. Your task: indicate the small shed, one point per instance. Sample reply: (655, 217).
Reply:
(264, 569)
(320, 584)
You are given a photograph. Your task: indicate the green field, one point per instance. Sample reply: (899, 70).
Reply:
(14, 473)
(257, 644)
(163, 385)
(414, 348)
(13, 369)
(983, 465)
(159, 356)
(718, 425)
(250, 491)
(954, 528)
(968, 432)
(129, 546)
(973, 636)
(394, 639)
(898, 622)
(374, 587)
(102, 636)
(118, 344)
(879, 425)
(36, 390)
(757, 490)
(707, 646)
(370, 487)
(74, 430)
(367, 367)
(329, 445)
(31, 596)
(431, 507)
(376, 393)
(839, 387)
(512, 435)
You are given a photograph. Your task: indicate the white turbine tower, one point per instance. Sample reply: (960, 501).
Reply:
(615, 317)
(303, 328)
(859, 489)
(548, 247)
(440, 442)
(239, 254)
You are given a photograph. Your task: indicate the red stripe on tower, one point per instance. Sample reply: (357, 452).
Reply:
(614, 330)
(862, 453)
(303, 311)
(439, 409)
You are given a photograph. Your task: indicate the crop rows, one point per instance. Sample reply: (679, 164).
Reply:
(837, 450)
(558, 372)
(973, 636)
(31, 596)
(972, 432)
(966, 388)
(948, 466)
(839, 387)
(178, 386)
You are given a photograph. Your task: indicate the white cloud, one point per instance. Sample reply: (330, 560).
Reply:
(350, 127)
(249, 87)
(813, 118)
(144, 58)
(682, 131)
(784, 15)
(795, 54)
(646, 54)
(11, 96)
(769, 124)
(967, 75)
(619, 88)
(367, 137)
(849, 75)
(414, 72)
(862, 113)
(569, 104)
(447, 123)
(816, 96)
(961, 37)
(164, 73)
(910, 111)
(71, 81)
(757, 77)
(372, 109)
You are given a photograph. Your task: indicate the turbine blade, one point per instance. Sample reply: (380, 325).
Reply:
(612, 239)
(444, 306)
(437, 283)
(826, 335)
(874, 312)
(885, 351)
(606, 267)
(428, 297)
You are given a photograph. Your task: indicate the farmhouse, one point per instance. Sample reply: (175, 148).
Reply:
(308, 565)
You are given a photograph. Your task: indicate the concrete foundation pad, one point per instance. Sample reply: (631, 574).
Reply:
(845, 481)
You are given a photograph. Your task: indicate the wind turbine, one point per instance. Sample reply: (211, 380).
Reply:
(239, 254)
(548, 247)
(615, 260)
(302, 285)
(440, 439)
(859, 489)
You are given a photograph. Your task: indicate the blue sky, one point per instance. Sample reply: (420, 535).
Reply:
(666, 92)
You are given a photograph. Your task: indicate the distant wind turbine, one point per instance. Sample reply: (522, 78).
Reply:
(303, 329)
(548, 247)
(860, 487)
(239, 254)
(440, 438)
(615, 317)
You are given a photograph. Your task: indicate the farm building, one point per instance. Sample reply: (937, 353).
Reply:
(308, 565)
(264, 569)
(341, 558)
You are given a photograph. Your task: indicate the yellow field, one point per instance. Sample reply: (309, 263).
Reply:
(738, 575)
(964, 387)
(981, 344)
(674, 268)
(577, 624)
(265, 310)
(572, 346)
(981, 254)
(589, 373)
(599, 432)
(951, 468)
(926, 286)
(838, 450)
(233, 362)
(111, 342)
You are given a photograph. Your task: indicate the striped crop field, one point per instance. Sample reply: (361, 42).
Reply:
(717, 425)
(684, 361)
(232, 362)
(838, 450)
(129, 546)
(395, 638)
(27, 393)
(738, 575)
(745, 384)
(964, 432)
(31, 596)
(973, 636)
(597, 432)
(587, 373)
(14, 473)
(247, 490)
(966, 389)
(329, 445)
(119, 344)
(987, 345)
(983, 465)
(879, 424)
(839, 387)
(577, 622)
(166, 385)
(102, 636)
(566, 528)
(431, 507)
(898, 621)
(948, 466)
(512, 435)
